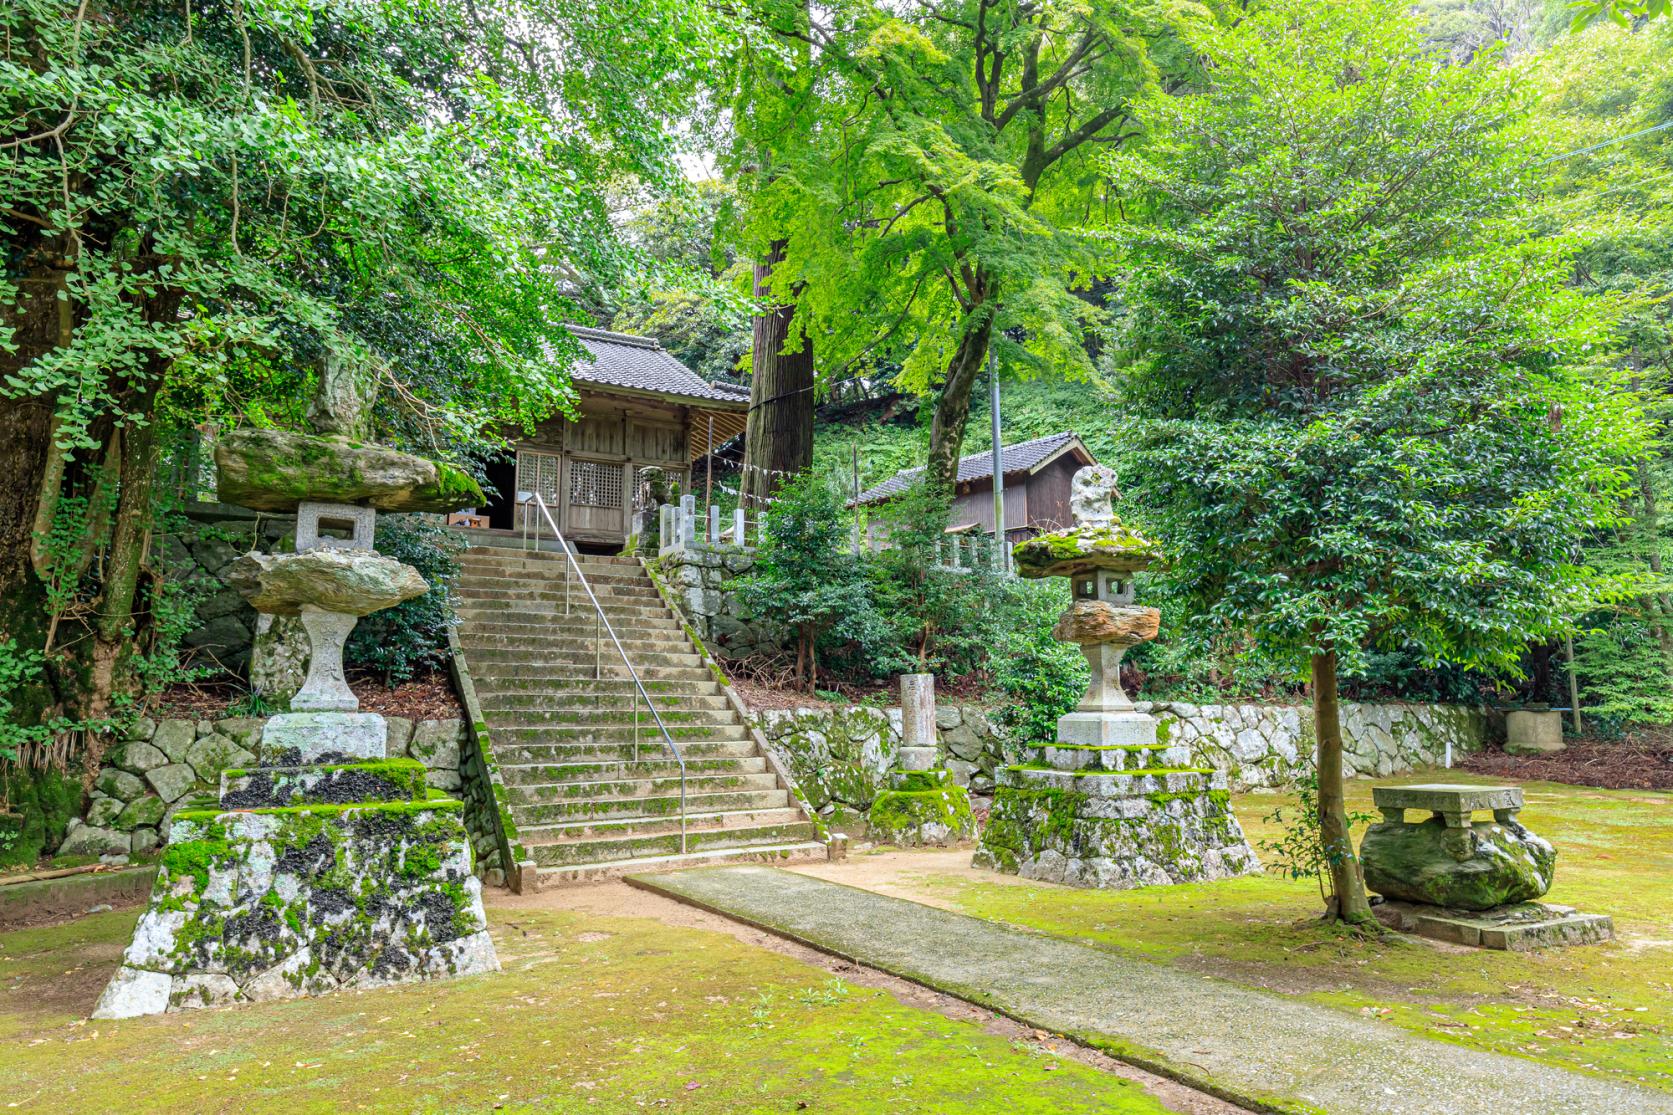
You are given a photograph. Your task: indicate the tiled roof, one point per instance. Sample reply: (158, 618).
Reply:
(640, 364)
(979, 466)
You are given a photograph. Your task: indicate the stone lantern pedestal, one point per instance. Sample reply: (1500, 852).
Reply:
(329, 865)
(923, 805)
(1107, 803)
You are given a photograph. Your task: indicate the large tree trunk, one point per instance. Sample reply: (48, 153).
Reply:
(1346, 880)
(778, 434)
(952, 409)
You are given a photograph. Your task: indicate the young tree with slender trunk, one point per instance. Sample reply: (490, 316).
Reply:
(942, 178)
(1367, 408)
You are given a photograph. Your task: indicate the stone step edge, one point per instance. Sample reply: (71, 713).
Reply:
(580, 873)
(665, 824)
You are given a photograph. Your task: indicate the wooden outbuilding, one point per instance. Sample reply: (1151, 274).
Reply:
(1037, 475)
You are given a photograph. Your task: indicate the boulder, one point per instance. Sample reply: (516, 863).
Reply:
(274, 470)
(102, 810)
(172, 782)
(138, 758)
(173, 737)
(435, 743)
(349, 582)
(147, 810)
(1486, 865)
(93, 840)
(118, 784)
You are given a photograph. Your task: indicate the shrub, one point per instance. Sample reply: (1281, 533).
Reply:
(1043, 678)
(397, 642)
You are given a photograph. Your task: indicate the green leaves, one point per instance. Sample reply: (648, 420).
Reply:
(1371, 415)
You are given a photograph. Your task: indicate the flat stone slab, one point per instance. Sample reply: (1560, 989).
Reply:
(327, 736)
(1520, 927)
(1250, 1046)
(1445, 799)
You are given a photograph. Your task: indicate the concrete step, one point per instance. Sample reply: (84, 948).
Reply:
(574, 626)
(540, 635)
(632, 595)
(778, 854)
(494, 566)
(588, 687)
(607, 841)
(499, 648)
(582, 788)
(654, 766)
(536, 818)
(509, 749)
(518, 727)
(526, 611)
(624, 718)
(511, 664)
(622, 703)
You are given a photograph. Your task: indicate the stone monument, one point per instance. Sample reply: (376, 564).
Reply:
(923, 805)
(1447, 876)
(329, 865)
(1106, 804)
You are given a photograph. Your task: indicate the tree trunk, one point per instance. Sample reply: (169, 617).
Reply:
(1343, 863)
(778, 434)
(952, 409)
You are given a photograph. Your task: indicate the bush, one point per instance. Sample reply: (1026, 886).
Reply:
(398, 642)
(1043, 677)
(806, 578)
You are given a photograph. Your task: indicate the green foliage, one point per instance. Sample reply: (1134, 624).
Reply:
(1043, 678)
(942, 620)
(805, 575)
(1299, 850)
(398, 642)
(1371, 413)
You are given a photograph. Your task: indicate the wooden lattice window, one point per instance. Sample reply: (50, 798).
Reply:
(538, 472)
(592, 484)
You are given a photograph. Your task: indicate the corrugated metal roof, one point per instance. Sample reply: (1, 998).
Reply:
(1021, 457)
(640, 364)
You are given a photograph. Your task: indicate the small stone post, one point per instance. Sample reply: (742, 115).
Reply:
(917, 712)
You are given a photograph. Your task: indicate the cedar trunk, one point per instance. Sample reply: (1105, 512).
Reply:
(778, 435)
(952, 409)
(1346, 880)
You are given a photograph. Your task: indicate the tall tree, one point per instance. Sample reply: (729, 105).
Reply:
(1369, 412)
(940, 188)
(201, 200)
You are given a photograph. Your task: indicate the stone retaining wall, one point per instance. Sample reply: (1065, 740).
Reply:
(841, 754)
(697, 575)
(1269, 745)
(214, 535)
(162, 766)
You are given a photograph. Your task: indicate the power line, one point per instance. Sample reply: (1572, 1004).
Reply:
(1663, 126)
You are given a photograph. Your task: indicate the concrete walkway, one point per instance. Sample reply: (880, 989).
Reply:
(1258, 1049)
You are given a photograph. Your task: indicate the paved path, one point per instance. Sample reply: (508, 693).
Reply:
(1262, 1050)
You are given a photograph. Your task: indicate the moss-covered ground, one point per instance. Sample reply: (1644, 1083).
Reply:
(590, 1013)
(1606, 1009)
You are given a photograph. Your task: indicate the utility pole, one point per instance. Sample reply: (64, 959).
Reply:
(1002, 553)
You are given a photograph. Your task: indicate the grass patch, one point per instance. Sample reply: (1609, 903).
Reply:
(589, 1014)
(1605, 1009)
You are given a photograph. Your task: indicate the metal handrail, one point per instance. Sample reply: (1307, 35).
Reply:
(601, 625)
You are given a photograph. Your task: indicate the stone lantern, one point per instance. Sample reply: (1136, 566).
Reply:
(1105, 804)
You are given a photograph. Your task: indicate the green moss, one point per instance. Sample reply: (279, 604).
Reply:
(900, 816)
(195, 858)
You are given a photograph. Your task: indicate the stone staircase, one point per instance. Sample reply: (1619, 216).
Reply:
(562, 731)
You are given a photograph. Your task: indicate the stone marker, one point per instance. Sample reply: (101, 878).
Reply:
(1533, 732)
(1472, 883)
(1105, 804)
(923, 805)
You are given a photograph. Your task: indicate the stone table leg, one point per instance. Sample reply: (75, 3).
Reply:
(326, 689)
